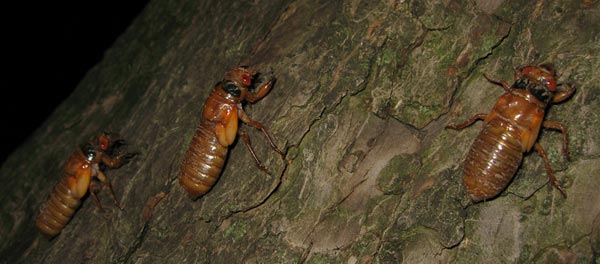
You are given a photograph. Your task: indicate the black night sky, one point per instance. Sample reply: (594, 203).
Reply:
(51, 46)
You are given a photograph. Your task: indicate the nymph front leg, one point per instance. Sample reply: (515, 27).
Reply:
(253, 123)
(102, 178)
(246, 140)
(502, 83)
(551, 176)
(118, 160)
(468, 122)
(563, 130)
(261, 91)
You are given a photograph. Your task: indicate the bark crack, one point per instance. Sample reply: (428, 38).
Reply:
(487, 55)
(381, 237)
(147, 216)
(137, 243)
(323, 215)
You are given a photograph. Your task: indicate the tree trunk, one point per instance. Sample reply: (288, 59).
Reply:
(364, 90)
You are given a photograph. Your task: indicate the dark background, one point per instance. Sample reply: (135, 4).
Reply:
(50, 48)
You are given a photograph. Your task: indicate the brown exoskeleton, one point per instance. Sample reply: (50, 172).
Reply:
(79, 173)
(218, 129)
(510, 129)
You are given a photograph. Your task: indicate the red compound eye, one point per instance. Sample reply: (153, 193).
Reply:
(246, 79)
(550, 83)
(103, 142)
(527, 70)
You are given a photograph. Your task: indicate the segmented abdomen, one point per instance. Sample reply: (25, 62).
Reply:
(203, 161)
(493, 159)
(58, 210)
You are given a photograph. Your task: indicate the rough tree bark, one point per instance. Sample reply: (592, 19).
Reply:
(364, 90)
